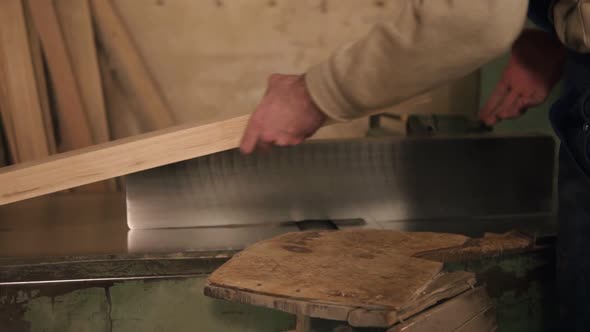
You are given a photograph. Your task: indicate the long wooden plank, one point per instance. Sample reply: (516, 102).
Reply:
(123, 110)
(73, 123)
(118, 158)
(76, 26)
(132, 68)
(40, 78)
(21, 111)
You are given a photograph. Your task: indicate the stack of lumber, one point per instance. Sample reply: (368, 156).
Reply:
(63, 64)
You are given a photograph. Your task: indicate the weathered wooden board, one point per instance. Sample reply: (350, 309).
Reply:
(372, 272)
(488, 246)
(449, 315)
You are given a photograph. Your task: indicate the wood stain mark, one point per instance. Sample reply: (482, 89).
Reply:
(297, 249)
(16, 193)
(324, 6)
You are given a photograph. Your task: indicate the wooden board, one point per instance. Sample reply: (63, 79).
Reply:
(484, 322)
(120, 46)
(489, 246)
(123, 109)
(73, 123)
(19, 98)
(450, 315)
(41, 80)
(76, 26)
(371, 272)
(118, 158)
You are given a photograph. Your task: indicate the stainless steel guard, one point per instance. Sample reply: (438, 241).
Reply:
(379, 179)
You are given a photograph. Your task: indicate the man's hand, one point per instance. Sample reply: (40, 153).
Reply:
(286, 115)
(535, 66)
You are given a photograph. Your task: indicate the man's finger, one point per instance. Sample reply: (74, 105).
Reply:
(263, 147)
(248, 143)
(511, 106)
(495, 99)
(286, 140)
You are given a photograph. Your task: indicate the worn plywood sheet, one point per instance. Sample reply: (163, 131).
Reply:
(369, 277)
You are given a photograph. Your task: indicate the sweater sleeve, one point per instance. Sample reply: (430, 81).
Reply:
(424, 44)
(571, 19)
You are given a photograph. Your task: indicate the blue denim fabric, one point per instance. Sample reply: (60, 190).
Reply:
(570, 117)
(538, 13)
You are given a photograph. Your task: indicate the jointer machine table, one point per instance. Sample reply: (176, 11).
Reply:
(343, 230)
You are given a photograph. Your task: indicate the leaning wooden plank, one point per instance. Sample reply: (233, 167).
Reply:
(73, 123)
(118, 158)
(76, 26)
(119, 45)
(21, 111)
(3, 146)
(123, 109)
(40, 78)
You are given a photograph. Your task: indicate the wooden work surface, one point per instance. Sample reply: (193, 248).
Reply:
(366, 277)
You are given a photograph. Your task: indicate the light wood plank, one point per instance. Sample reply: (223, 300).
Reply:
(119, 45)
(123, 110)
(118, 158)
(76, 26)
(3, 146)
(73, 123)
(40, 78)
(21, 110)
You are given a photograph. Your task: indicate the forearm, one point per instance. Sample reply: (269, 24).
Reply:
(426, 43)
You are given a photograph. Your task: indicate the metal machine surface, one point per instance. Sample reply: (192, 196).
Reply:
(376, 180)
(210, 207)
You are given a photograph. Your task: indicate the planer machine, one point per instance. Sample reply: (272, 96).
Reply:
(466, 181)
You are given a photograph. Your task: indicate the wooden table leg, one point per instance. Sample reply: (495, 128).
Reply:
(303, 323)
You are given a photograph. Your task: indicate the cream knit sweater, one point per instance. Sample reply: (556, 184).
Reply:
(424, 44)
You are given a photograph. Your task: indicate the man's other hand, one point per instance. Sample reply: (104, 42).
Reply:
(535, 66)
(286, 115)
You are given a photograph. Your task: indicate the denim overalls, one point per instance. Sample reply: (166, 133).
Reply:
(570, 117)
